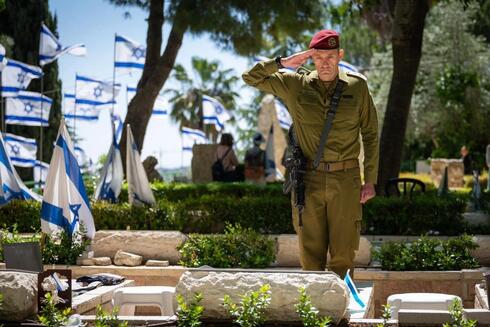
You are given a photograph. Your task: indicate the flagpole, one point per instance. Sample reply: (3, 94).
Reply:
(75, 113)
(41, 123)
(2, 108)
(114, 77)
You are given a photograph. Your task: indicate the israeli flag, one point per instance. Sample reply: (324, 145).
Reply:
(21, 150)
(283, 116)
(214, 113)
(87, 113)
(354, 294)
(40, 173)
(270, 161)
(83, 159)
(112, 175)
(16, 76)
(192, 136)
(12, 186)
(65, 204)
(130, 55)
(28, 108)
(3, 60)
(346, 66)
(139, 190)
(93, 92)
(51, 49)
(160, 106)
(119, 125)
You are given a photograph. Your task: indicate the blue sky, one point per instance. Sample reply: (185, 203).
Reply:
(94, 22)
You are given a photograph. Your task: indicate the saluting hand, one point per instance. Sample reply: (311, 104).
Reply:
(367, 192)
(297, 59)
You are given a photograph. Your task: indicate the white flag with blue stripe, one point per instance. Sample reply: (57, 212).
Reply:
(283, 116)
(16, 76)
(214, 113)
(21, 150)
(192, 136)
(160, 106)
(118, 125)
(346, 66)
(3, 60)
(359, 304)
(270, 161)
(130, 55)
(40, 173)
(65, 204)
(87, 113)
(11, 186)
(93, 92)
(112, 174)
(139, 190)
(51, 49)
(28, 108)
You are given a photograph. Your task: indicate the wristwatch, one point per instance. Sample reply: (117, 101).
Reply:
(278, 62)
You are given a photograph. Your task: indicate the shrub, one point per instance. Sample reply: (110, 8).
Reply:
(250, 311)
(428, 254)
(189, 315)
(423, 214)
(64, 249)
(238, 247)
(308, 313)
(457, 316)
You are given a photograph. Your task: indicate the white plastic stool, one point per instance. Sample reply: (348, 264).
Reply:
(421, 301)
(127, 298)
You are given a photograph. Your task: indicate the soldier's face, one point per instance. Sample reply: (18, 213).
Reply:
(327, 63)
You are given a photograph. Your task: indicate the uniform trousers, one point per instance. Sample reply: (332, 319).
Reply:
(331, 220)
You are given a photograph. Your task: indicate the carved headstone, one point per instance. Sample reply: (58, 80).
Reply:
(328, 292)
(19, 292)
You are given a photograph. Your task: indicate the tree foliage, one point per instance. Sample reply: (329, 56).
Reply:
(207, 79)
(450, 105)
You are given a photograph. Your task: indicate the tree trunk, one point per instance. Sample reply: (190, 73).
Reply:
(157, 70)
(408, 28)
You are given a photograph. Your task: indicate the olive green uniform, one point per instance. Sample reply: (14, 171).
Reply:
(333, 213)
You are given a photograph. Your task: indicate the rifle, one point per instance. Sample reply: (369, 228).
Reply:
(296, 169)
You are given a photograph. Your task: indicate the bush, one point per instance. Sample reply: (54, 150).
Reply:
(423, 214)
(428, 254)
(238, 247)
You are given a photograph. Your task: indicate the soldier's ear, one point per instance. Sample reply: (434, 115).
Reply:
(341, 54)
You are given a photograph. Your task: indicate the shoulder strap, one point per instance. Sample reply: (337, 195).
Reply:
(334, 103)
(226, 153)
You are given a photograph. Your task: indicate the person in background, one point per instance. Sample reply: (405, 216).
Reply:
(227, 155)
(255, 162)
(467, 162)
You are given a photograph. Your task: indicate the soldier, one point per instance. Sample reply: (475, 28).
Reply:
(332, 215)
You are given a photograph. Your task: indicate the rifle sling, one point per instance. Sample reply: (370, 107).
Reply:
(334, 103)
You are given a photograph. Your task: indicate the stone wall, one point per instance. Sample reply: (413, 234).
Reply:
(203, 157)
(455, 171)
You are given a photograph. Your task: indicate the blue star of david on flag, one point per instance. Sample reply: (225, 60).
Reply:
(97, 91)
(21, 77)
(76, 218)
(139, 53)
(28, 107)
(15, 149)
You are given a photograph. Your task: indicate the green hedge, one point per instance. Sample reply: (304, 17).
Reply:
(269, 214)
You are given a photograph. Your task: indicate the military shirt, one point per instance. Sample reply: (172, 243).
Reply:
(308, 101)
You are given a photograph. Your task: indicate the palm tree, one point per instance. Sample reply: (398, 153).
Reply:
(208, 79)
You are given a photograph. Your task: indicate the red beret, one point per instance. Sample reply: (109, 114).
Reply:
(325, 39)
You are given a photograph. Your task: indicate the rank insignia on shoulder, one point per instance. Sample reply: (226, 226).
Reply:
(351, 73)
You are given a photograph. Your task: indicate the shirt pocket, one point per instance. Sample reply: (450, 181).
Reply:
(310, 110)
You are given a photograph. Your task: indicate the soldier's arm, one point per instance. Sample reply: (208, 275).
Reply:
(369, 132)
(266, 77)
